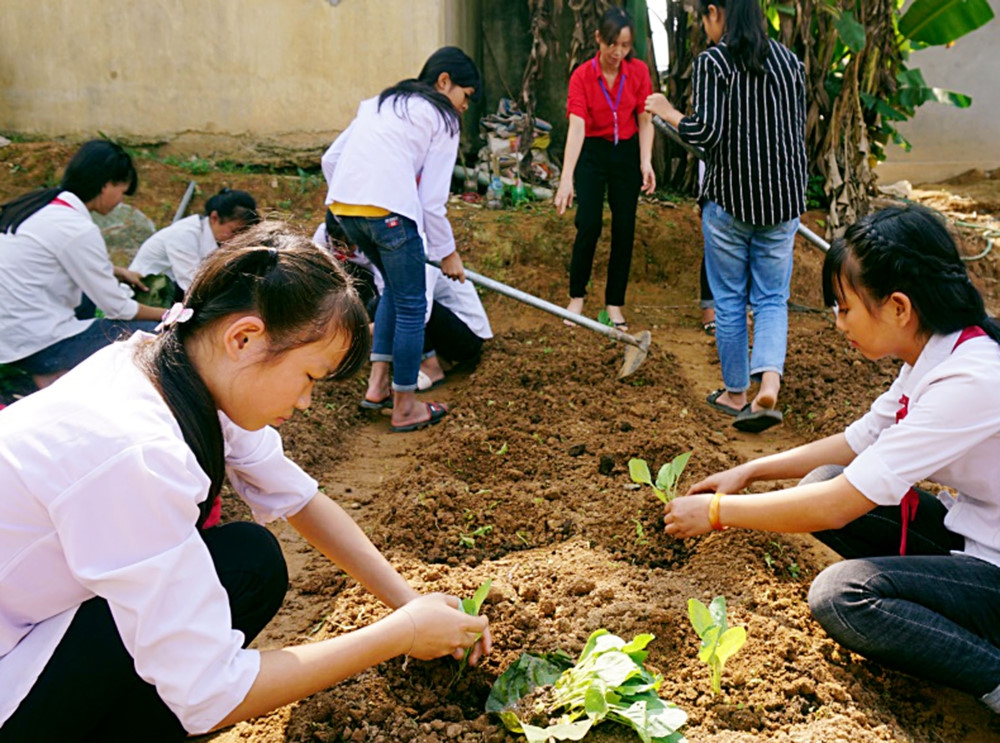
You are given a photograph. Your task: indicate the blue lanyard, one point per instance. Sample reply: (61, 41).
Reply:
(607, 93)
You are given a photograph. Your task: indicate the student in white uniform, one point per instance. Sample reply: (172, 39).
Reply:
(52, 255)
(179, 249)
(390, 175)
(920, 588)
(456, 328)
(120, 619)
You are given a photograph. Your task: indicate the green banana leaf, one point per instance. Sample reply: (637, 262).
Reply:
(935, 22)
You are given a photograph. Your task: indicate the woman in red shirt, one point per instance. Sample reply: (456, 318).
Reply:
(609, 149)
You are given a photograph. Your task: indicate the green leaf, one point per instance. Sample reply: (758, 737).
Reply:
(850, 31)
(730, 643)
(718, 611)
(614, 668)
(594, 703)
(473, 605)
(560, 731)
(700, 617)
(523, 676)
(943, 21)
(709, 642)
(639, 471)
(605, 319)
(950, 98)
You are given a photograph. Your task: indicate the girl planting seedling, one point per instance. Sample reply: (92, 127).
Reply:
(920, 590)
(117, 612)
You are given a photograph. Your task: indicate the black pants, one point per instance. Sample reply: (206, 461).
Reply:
(89, 690)
(451, 338)
(605, 168)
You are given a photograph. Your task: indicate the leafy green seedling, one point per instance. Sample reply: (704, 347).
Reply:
(472, 607)
(608, 682)
(667, 478)
(719, 642)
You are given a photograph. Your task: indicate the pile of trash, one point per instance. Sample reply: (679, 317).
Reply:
(501, 156)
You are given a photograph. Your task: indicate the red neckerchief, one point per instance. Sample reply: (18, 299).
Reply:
(911, 500)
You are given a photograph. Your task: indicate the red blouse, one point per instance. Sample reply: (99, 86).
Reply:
(594, 103)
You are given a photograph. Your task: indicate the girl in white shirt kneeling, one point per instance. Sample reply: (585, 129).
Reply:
(920, 588)
(178, 250)
(122, 619)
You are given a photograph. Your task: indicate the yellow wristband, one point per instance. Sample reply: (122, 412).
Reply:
(713, 512)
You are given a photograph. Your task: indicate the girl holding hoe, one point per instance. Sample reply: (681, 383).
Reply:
(919, 589)
(120, 618)
(390, 175)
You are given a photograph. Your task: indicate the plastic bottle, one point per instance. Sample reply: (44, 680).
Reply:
(494, 191)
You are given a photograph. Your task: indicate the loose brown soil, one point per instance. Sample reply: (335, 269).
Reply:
(526, 482)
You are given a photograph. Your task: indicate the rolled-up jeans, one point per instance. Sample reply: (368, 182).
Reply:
(393, 244)
(929, 613)
(748, 265)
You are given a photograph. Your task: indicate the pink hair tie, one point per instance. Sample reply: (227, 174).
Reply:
(177, 313)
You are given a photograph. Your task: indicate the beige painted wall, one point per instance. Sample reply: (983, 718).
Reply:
(946, 140)
(212, 76)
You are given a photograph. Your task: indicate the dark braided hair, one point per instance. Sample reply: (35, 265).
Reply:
(299, 292)
(907, 249)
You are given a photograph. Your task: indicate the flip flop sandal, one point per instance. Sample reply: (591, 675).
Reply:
(424, 383)
(709, 327)
(622, 326)
(751, 421)
(383, 404)
(713, 401)
(436, 410)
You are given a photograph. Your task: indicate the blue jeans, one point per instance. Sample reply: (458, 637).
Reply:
(748, 265)
(69, 352)
(393, 244)
(929, 613)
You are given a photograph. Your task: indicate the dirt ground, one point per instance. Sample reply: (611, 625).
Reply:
(526, 482)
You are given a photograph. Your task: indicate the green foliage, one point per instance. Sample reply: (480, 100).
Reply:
(718, 641)
(471, 607)
(608, 682)
(665, 487)
(159, 292)
(936, 22)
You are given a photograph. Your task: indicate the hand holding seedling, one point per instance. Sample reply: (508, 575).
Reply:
(438, 627)
(687, 516)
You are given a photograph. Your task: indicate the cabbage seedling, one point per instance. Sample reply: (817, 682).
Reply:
(718, 642)
(667, 478)
(472, 607)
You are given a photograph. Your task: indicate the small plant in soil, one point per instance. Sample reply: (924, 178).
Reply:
(667, 478)
(547, 697)
(471, 606)
(719, 642)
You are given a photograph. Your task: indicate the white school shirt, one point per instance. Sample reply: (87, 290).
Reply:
(56, 256)
(950, 435)
(100, 498)
(177, 250)
(460, 298)
(379, 158)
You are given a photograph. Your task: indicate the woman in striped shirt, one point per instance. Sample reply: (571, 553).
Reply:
(749, 116)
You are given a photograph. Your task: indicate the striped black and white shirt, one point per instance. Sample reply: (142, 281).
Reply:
(752, 127)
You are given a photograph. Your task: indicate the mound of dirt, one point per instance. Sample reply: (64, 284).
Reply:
(526, 482)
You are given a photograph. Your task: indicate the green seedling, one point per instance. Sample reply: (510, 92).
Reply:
(719, 642)
(472, 607)
(667, 478)
(608, 682)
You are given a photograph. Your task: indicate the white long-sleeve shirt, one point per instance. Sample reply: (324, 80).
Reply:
(400, 161)
(100, 498)
(950, 435)
(56, 256)
(177, 250)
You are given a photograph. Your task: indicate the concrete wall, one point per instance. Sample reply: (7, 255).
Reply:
(946, 140)
(233, 77)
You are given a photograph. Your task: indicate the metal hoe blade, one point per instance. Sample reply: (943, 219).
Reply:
(634, 355)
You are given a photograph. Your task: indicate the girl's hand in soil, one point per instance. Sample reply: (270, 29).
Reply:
(687, 516)
(440, 627)
(732, 480)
